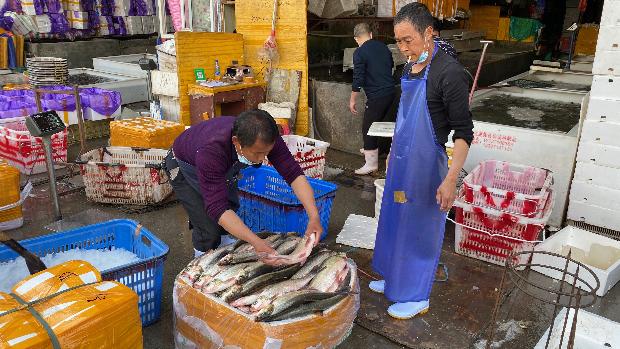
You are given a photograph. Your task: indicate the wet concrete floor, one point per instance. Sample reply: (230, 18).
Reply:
(460, 308)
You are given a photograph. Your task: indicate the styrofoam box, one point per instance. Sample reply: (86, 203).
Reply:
(606, 63)
(170, 108)
(582, 240)
(603, 110)
(277, 111)
(379, 187)
(580, 211)
(607, 133)
(165, 83)
(598, 154)
(598, 175)
(595, 195)
(605, 86)
(611, 14)
(592, 331)
(608, 39)
(90, 114)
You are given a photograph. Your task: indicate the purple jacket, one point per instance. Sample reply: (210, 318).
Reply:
(208, 147)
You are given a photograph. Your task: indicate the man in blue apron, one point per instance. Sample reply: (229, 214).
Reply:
(420, 189)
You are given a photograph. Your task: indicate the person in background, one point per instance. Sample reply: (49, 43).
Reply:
(443, 44)
(419, 188)
(204, 165)
(372, 71)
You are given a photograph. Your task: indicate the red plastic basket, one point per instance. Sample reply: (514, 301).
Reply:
(25, 152)
(518, 189)
(491, 235)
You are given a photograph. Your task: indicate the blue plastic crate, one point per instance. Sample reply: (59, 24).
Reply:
(267, 202)
(144, 277)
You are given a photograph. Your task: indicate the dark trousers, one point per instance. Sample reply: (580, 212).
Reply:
(376, 111)
(206, 233)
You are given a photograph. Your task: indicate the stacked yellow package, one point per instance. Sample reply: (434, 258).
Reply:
(10, 218)
(144, 133)
(68, 306)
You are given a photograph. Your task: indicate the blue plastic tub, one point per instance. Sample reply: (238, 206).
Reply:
(269, 204)
(144, 277)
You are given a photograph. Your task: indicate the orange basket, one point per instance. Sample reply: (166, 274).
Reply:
(10, 218)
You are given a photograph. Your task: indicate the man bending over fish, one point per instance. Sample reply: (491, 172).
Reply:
(204, 165)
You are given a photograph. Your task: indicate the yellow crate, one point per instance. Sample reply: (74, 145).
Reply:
(144, 133)
(9, 187)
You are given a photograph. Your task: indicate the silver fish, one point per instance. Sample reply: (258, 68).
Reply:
(288, 245)
(340, 279)
(289, 300)
(270, 293)
(303, 249)
(191, 273)
(211, 257)
(329, 271)
(235, 274)
(317, 307)
(258, 282)
(243, 255)
(313, 264)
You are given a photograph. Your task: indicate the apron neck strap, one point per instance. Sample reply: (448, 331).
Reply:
(428, 67)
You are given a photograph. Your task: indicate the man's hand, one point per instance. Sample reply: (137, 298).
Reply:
(314, 227)
(266, 253)
(446, 193)
(352, 102)
(352, 106)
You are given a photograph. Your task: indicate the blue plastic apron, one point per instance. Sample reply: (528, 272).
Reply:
(411, 225)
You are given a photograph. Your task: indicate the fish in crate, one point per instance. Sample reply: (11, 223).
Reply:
(246, 303)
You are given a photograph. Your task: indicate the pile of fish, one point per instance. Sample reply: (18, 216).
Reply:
(310, 281)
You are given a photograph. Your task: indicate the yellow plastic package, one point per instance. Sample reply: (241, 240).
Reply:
(144, 133)
(68, 306)
(10, 213)
(205, 321)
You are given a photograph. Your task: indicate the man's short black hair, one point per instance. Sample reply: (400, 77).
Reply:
(253, 125)
(437, 24)
(416, 14)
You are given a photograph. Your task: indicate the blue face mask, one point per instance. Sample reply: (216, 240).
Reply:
(423, 57)
(245, 161)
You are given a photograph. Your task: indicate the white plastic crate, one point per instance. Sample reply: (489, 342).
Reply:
(595, 195)
(581, 211)
(603, 110)
(26, 152)
(491, 235)
(599, 253)
(598, 175)
(123, 175)
(605, 86)
(599, 154)
(604, 133)
(513, 188)
(309, 153)
(606, 63)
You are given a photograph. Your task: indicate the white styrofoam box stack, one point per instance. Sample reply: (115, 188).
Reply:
(598, 154)
(167, 56)
(599, 253)
(284, 110)
(77, 19)
(595, 195)
(607, 57)
(603, 109)
(133, 24)
(605, 86)
(165, 83)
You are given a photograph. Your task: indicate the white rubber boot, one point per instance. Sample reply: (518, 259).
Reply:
(372, 162)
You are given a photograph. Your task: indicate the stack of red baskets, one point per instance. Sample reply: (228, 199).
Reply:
(501, 208)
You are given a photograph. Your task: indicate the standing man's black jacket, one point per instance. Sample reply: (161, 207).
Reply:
(372, 70)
